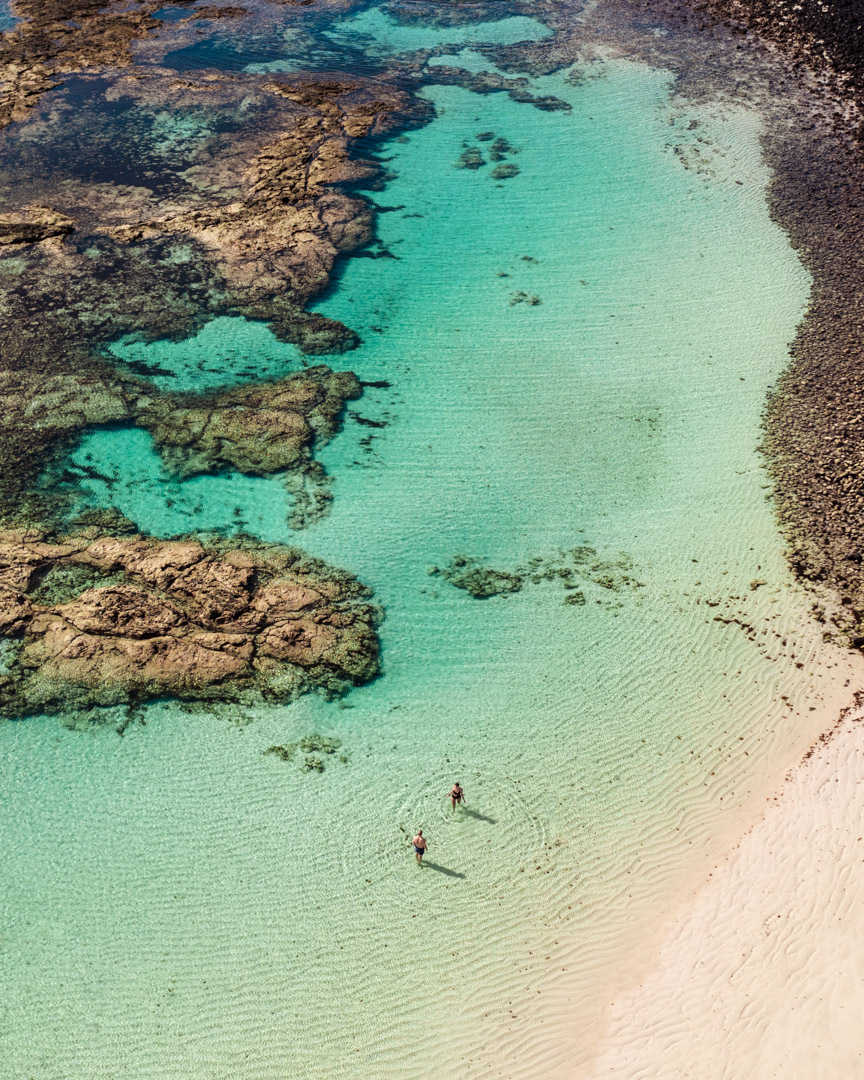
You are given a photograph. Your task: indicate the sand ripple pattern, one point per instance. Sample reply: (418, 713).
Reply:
(759, 976)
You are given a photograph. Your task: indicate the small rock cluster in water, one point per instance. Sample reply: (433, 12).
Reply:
(525, 298)
(312, 747)
(477, 579)
(573, 570)
(472, 156)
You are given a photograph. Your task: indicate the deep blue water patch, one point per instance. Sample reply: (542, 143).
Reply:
(172, 14)
(8, 21)
(97, 139)
(226, 55)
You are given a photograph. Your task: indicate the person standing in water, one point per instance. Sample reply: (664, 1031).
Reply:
(420, 845)
(456, 794)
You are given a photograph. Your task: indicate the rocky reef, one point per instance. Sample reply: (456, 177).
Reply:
(258, 429)
(120, 620)
(136, 201)
(144, 190)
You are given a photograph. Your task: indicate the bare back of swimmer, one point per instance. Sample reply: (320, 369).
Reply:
(420, 845)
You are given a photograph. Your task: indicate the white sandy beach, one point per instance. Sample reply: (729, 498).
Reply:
(763, 975)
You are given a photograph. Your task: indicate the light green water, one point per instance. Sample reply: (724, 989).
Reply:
(377, 34)
(467, 59)
(177, 905)
(385, 33)
(225, 352)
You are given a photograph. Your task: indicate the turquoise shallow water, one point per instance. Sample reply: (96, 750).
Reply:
(384, 32)
(226, 352)
(176, 904)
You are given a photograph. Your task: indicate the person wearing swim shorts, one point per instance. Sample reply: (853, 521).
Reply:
(420, 845)
(456, 795)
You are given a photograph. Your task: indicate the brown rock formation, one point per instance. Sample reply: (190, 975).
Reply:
(119, 620)
(247, 222)
(32, 225)
(258, 430)
(273, 223)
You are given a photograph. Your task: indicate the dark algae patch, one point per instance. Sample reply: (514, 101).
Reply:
(573, 571)
(314, 751)
(470, 158)
(477, 579)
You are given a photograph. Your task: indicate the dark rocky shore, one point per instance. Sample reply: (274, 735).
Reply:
(802, 66)
(815, 417)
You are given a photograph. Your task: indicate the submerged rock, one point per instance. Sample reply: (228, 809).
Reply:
(258, 429)
(470, 158)
(505, 172)
(477, 579)
(312, 746)
(500, 148)
(127, 619)
(574, 570)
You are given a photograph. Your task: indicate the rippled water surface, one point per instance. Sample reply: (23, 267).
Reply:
(569, 364)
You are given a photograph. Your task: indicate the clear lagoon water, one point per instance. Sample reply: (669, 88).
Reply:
(357, 43)
(380, 30)
(578, 355)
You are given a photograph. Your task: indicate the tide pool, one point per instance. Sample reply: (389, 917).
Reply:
(381, 30)
(373, 32)
(577, 356)
(8, 21)
(225, 352)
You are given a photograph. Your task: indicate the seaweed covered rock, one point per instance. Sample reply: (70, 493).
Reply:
(573, 570)
(312, 747)
(505, 172)
(33, 224)
(258, 430)
(117, 620)
(470, 158)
